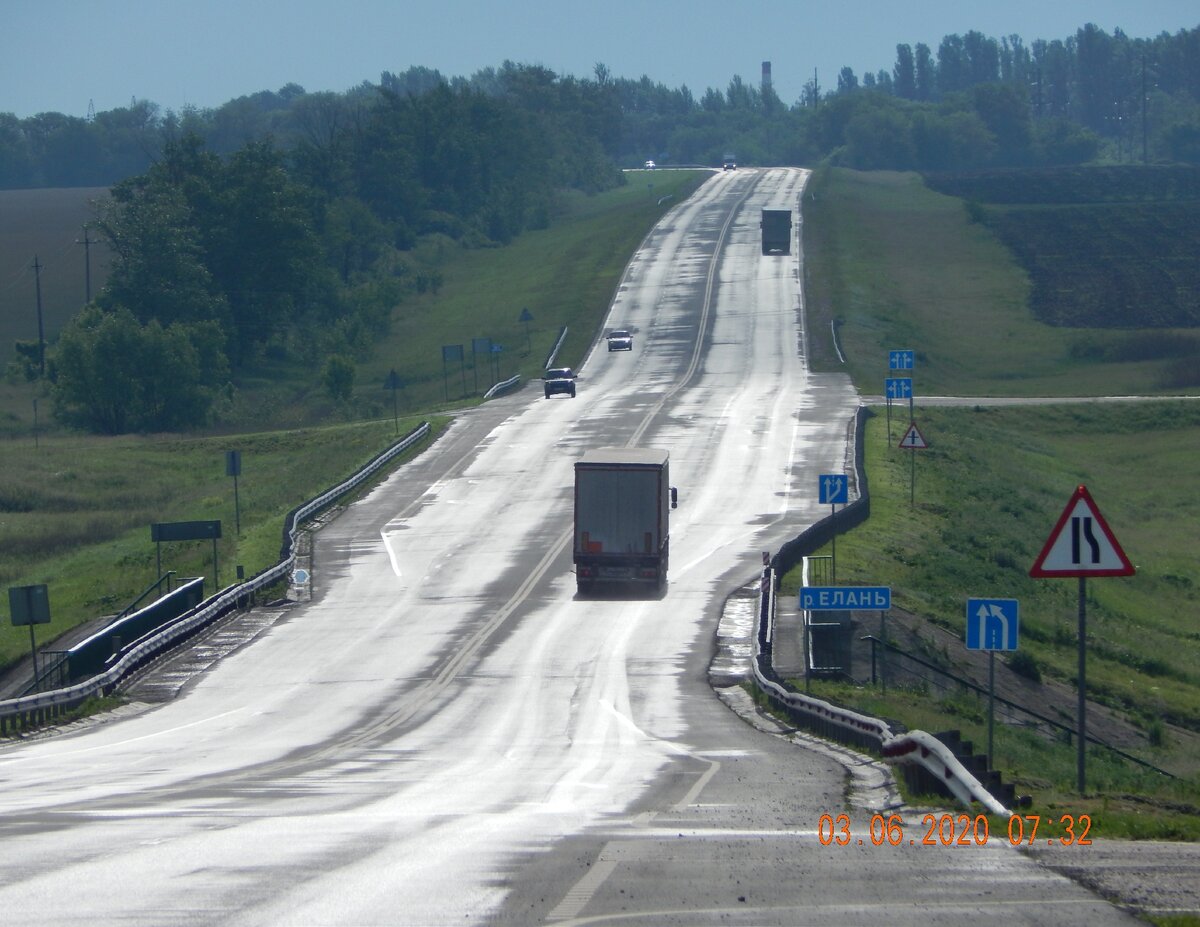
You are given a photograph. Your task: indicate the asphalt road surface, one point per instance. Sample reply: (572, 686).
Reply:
(447, 734)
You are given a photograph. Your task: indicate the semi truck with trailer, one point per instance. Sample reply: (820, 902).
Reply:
(776, 225)
(623, 499)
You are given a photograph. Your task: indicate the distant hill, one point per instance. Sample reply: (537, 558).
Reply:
(46, 223)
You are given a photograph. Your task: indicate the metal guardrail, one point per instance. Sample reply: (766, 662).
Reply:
(1014, 709)
(847, 726)
(39, 707)
(833, 721)
(502, 386)
(562, 336)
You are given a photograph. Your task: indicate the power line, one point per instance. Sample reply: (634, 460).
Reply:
(37, 274)
(87, 265)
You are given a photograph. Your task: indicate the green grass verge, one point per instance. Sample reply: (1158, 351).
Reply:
(895, 265)
(75, 511)
(988, 492)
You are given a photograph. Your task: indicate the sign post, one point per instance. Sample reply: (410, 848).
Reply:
(233, 467)
(187, 531)
(992, 624)
(525, 318)
(392, 382)
(897, 388)
(914, 441)
(848, 599)
(30, 605)
(1081, 545)
(453, 352)
(833, 488)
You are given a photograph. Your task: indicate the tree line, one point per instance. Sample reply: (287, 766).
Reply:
(1050, 101)
(277, 226)
(223, 262)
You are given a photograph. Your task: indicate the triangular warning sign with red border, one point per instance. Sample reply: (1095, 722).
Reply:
(1081, 544)
(913, 438)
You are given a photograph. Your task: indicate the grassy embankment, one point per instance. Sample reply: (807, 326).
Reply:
(991, 486)
(75, 509)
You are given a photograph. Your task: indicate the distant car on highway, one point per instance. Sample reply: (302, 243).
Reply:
(649, 165)
(559, 380)
(730, 165)
(620, 340)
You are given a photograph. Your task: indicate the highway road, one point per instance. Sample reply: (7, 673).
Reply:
(447, 734)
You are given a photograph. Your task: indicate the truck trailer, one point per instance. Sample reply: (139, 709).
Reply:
(776, 225)
(623, 498)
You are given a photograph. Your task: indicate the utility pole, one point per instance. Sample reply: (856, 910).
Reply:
(87, 263)
(1144, 101)
(37, 274)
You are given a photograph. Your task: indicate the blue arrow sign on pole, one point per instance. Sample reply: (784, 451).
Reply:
(900, 360)
(898, 387)
(834, 489)
(992, 624)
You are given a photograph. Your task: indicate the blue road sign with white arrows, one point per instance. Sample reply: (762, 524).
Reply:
(898, 387)
(900, 360)
(992, 624)
(834, 489)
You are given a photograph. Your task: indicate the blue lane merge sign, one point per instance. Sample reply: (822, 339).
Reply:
(845, 598)
(900, 360)
(834, 489)
(898, 387)
(992, 624)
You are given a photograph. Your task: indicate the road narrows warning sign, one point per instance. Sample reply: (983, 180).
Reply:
(1081, 544)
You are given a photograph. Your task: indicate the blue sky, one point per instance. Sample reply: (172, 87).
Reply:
(61, 55)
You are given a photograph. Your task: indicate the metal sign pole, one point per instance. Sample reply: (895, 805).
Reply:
(37, 683)
(883, 652)
(991, 703)
(833, 542)
(1081, 748)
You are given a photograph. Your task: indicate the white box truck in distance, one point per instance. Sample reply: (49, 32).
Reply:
(623, 498)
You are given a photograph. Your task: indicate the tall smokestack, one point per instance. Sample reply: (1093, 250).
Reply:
(766, 76)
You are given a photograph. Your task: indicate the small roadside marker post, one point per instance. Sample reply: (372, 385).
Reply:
(393, 383)
(1081, 545)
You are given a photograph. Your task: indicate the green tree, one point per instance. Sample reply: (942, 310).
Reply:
(1004, 109)
(926, 72)
(158, 270)
(338, 377)
(112, 375)
(905, 73)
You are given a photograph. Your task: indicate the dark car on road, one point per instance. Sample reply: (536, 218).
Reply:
(559, 380)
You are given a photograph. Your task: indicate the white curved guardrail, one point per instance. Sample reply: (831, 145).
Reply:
(911, 747)
(178, 629)
(503, 385)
